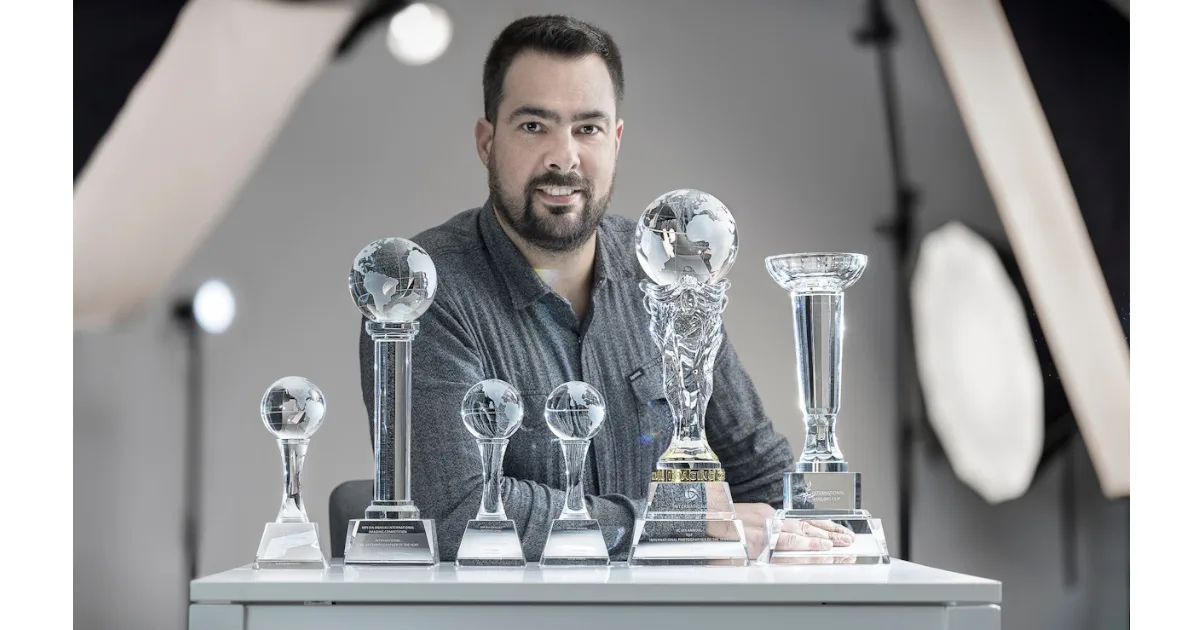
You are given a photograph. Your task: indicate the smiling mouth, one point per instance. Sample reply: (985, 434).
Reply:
(558, 194)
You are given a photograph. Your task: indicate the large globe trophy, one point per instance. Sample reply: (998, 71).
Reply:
(574, 413)
(393, 282)
(292, 410)
(492, 412)
(687, 242)
(821, 486)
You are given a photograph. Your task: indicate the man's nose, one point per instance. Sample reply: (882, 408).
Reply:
(563, 156)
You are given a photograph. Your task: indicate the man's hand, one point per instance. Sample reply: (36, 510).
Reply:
(796, 535)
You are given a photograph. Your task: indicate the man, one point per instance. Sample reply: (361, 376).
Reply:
(539, 286)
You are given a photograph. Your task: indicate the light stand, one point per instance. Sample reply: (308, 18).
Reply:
(209, 310)
(878, 32)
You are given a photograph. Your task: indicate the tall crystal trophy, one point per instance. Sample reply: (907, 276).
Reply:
(574, 413)
(492, 412)
(687, 242)
(292, 410)
(393, 282)
(821, 487)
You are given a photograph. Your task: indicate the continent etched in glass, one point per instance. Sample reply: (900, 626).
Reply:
(492, 410)
(686, 233)
(293, 408)
(393, 280)
(574, 411)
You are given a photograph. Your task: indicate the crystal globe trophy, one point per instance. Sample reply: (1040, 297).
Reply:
(492, 412)
(687, 243)
(574, 413)
(821, 486)
(393, 282)
(292, 410)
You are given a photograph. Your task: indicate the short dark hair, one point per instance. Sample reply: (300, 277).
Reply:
(557, 35)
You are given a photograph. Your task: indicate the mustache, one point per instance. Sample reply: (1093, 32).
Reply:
(556, 178)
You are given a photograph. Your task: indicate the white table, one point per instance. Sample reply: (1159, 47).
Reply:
(898, 596)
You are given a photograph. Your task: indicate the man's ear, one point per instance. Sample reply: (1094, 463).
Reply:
(484, 132)
(620, 130)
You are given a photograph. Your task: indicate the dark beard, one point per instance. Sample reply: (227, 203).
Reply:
(547, 233)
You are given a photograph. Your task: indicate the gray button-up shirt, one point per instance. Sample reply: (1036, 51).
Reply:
(494, 317)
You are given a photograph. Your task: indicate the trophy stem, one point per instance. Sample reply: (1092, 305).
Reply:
(491, 505)
(575, 454)
(818, 331)
(393, 419)
(292, 508)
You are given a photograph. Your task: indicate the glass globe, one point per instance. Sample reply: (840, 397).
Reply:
(686, 233)
(293, 408)
(492, 410)
(575, 411)
(393, 280)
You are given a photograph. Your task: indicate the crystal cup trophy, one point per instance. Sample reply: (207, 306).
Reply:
(393, 282)
(687, 242)
(821, 486)
(292, 410)
(492, 412)
(574, 413)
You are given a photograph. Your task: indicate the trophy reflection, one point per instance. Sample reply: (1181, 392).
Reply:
(821, 487)
(687, 243)
(492, 412)
(292, 410)
(574, 412)
(393, 282)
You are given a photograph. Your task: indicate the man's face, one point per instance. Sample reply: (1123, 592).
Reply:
(551, 153)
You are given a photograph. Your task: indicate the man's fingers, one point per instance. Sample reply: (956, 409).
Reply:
(841, 536)
(796, 542)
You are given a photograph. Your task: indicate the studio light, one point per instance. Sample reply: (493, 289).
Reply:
(213, 307)
(419, 33)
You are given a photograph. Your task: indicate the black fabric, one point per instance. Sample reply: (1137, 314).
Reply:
(115, 42)
(1077, 56)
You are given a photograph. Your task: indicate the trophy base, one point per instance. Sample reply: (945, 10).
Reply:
(689, 523)
(290, 546)
(490, 544)
(575, 542)
(822, 491)
(392, 541)
(869, 546)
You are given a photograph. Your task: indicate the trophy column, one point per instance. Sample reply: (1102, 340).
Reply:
(292, 410)
(393, 282)
(821, 486)
(574, 413)
(687, 242)
(492, 412)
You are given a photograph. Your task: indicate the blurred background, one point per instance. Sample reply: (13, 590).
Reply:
(262, 143)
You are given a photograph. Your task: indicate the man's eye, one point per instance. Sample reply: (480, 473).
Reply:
(531, 127)
(589, 129)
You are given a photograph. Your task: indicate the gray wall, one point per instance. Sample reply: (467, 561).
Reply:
(766, 104)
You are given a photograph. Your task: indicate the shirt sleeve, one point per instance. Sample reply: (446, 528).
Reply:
(753, 454)
(447, 473)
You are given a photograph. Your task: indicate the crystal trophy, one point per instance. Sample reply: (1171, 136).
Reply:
(821, 486)
(687, 242)
(574, 413)
(292, 410)
(393, 282)
(492, 412)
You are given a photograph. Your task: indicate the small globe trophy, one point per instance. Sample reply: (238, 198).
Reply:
(292, 410)
(574, 413)
(492, 412)
(393, 282)
(820, 486)
(687, 243)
